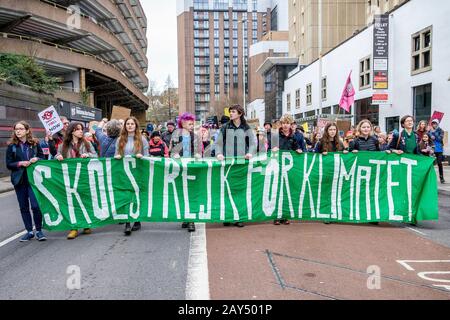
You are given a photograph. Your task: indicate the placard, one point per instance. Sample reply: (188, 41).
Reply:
(51, 120)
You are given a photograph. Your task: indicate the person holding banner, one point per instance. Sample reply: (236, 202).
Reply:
(75, 146)
(437, 135)
(286, 141)
(426, 146)
(183, 145)
(236, 139)
(366, 140)
(24, 150)
(330, 141)
(131, 143)
(408, 140)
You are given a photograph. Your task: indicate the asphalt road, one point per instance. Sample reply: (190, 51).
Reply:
(150, 264)
(153, 262)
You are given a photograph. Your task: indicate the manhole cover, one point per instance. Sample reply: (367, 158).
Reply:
(310, 275)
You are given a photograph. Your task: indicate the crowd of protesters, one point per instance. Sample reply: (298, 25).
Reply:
(232, 138)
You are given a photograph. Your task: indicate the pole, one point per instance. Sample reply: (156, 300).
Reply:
(320, 57)
(243, 64)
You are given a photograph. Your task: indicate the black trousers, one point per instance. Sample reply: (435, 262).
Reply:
(439, 159)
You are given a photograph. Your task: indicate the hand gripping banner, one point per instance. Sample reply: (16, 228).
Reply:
(353, 188)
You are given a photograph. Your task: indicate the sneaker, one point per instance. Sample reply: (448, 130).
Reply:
(87, 231)
(239, 224)
(40, 236)
(127, 230)
(276, 222)
(136, 226)
(285, 222)
(27, 237)
(442, 180)
(184, 225)
(191, 227)
(72, 234)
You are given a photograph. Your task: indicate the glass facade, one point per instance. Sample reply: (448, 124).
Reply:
(422, 102)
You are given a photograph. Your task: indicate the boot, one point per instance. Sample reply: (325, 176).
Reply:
(442, 180)
(191, 227)
(72, 234)
(127, 230)
(184, 225)
(239, 224)
(136, 226)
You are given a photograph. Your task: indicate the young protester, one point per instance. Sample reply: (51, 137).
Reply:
(131, 143)
(406, 141)
(298, 135)
(366, 140)
(183, 144)
(24, 150)
(268, 128)
(243, 143)
(421, 129)
(157, 147)
(286, 141)
(57, 139)
(426, 146)
(330, 141)
(437, 135)
(108, 141)
(75, 146)
(382, 140)
(262, 143)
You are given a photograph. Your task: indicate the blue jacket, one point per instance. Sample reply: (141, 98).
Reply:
(438, 139)
(14, 155)
(107, 144)
(298, 136)
(398, 142)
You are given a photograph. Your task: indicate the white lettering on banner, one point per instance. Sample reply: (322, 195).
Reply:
(185, 178)
(95, 168)
(360, 177)
(378, 163)
(202, 215)
(127, 161)
(38, 181)
(319, 192)
(337, 163)
(150, 183)
(111, 193)
(347, 176)
(391, 184)
(223, 182)
(409, 163)
(170, 179)
(270, 198)
(73, 191)
(285, 182)
(251, 170)
(306, 173)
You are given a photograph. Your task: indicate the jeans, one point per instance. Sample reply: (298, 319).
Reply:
(439, 158)
(25, 196)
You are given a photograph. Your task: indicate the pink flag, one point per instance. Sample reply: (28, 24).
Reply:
(348, 95)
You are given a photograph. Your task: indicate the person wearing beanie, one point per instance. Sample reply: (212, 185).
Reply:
(157, 147)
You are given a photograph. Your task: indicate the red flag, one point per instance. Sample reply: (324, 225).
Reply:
(348, 95)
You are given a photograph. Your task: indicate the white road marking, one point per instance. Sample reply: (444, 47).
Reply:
(409, 268)
(416, 231)
(197, 284)
(4, 243)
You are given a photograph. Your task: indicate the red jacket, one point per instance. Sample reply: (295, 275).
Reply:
(158, 149)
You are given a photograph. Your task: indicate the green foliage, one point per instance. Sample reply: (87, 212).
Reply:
(17, 69)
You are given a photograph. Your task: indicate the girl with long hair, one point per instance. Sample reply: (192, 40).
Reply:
(24, 150)
(422, 129)
(131, 143)
(75, 145)
(330, 141)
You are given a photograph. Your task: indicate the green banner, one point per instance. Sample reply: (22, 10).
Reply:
(355, 188)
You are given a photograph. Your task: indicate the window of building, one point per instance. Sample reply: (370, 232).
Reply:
(235, 52)
(288, 101)
(364, 109)
(216, 16)
(217, 89)
(309, 94)
(216, 52)
(196, 61)
(235, 43)
(364, 73)
(216, 34)
(324, 88)
(216, 61)
(235, 15)
(226, 34)
(235, 34)
(392, 123)
(421, 51)
(226, 43)
(216, 24)
(226, 24)
(422, 102)
(297, 99)
(326, 110)
(226, 16)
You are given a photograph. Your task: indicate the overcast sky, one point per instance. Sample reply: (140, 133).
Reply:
(162, 40)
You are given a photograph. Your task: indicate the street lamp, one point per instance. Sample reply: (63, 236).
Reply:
(243, 64)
